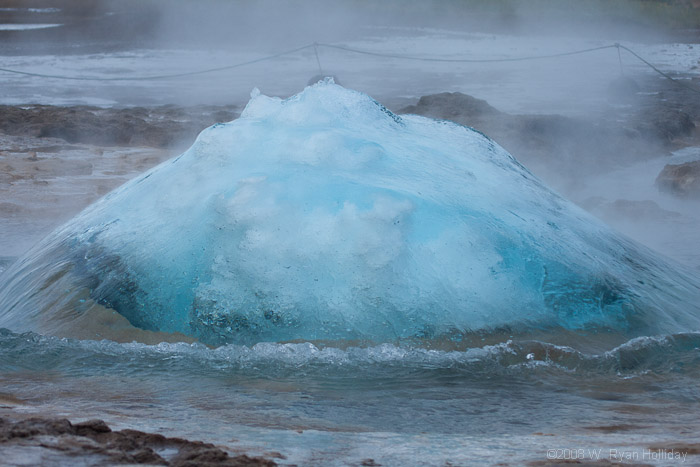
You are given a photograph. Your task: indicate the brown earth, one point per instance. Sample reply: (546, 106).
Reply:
(682, 180)
(57, 440)
(161, 127)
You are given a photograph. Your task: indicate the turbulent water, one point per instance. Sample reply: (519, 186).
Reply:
(400, 405)
(384, 287)
(324, 217)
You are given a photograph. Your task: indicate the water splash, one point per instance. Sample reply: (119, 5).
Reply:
(326, 216)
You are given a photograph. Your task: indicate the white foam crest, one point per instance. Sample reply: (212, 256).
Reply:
(635, 358)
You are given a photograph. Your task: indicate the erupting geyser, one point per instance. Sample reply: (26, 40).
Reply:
(325, 216)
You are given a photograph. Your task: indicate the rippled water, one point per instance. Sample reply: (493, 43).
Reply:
(396, 404)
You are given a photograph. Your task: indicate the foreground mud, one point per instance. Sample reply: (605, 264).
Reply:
(57, 441)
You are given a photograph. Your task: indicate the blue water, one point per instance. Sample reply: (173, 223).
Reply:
(326, 217)
(367, 286)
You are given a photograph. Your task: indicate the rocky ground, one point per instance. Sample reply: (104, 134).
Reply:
(57, 441)
(681, 179)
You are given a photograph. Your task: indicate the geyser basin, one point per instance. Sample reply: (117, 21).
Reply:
(325, 216)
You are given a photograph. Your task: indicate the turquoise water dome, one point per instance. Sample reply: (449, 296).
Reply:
(326, 216)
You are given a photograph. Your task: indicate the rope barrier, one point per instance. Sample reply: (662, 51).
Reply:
(665, 75)
(316, 45)
(519, 59)
(318, 60)
(619, 59)
(465, 60)
(156, 77)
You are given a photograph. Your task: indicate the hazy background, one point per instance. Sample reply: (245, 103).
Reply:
(141, 38)
(597, 133)
(233, 23)
(602, 94)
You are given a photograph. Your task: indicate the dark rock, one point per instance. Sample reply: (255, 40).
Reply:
(94, 437)
(146, 456)
(91, 426)
(454, 106)
(681, 180)
(39, 426)
(665, 124)
(369, 463)
(200, 455)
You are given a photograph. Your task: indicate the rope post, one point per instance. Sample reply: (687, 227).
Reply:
(318, 61)
(619, 58)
